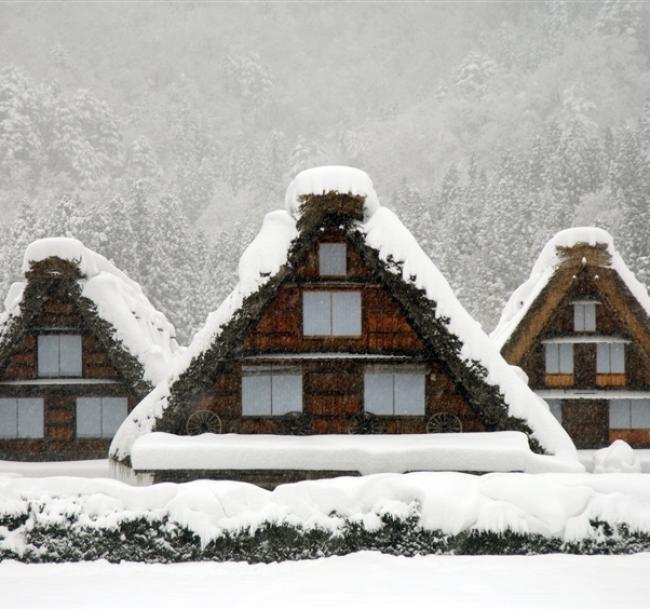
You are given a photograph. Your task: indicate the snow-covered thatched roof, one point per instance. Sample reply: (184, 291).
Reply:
(380, 231)
(139, 328)
(548, 263)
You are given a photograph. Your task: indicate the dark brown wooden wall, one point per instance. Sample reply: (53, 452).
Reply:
(59, 442)
(332, 394)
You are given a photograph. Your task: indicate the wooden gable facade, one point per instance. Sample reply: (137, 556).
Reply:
(585, 346)
(65, 384)
(335, 342)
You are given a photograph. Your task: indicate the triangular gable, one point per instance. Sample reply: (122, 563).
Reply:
(569, 255)
(495, 390)
(111, 306)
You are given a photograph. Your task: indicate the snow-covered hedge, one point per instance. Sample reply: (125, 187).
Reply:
(72, 519)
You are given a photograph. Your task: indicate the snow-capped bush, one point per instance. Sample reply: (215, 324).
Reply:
(618, 457)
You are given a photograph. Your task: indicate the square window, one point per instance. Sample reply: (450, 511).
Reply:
(332, 259)
(331, 313)
(393, 391)
(59, 356)
(100, 416)
(559, 358)
(271, 391)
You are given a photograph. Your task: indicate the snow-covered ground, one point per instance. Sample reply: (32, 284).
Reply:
(362, 580)
(81, 468)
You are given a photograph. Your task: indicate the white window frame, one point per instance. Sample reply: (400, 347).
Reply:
(634, 412)
(330, 257)
(584, 316)
(335, 311)
(19, 406)
(558, 358)
(605, 359)
(399, 376)
(59, 370)
(257, 379)
(103, 403)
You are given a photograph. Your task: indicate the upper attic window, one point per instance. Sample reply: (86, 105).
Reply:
(332, 259)
(59, 355)
(584, 316)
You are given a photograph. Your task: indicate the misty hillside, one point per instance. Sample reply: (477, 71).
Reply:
(160, 134)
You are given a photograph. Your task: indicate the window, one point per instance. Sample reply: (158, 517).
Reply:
(584, 316)
(59, 356)
(626, 414)
(271, 390)
(559, 358)
(100, 416)
(555, 406)
(331, 313)
(610, 358)
(332, 259)
(389, 391)
(21, 418)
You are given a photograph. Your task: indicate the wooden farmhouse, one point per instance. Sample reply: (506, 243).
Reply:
(80, 346)
(580, 329)
(341, 334)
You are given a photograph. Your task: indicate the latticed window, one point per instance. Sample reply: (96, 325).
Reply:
(100, 416)
(584, 316)
(59, 356)
(21, 418)
(394, 391)
(331, 313)
(272, 390)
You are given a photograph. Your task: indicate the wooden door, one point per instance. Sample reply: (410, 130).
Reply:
(587, 422)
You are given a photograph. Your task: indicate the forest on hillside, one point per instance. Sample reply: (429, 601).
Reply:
(160, 133)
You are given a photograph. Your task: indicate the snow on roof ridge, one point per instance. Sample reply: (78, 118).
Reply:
(544, 268)
(386, 234)
(331, 178)
(144, 331)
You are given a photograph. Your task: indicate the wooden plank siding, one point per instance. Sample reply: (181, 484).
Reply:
(58, 315)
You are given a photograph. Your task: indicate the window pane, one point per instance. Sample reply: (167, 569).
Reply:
(316, 313)
(378, 393)
(48, 355)
(617, 357)
(30, 418)
(640, 413)
(566, 358)
(555, 407)
(256, 394)
(619, 414)
(552, 358)
(578, 316)
(346, 314)
(590, 316)
(602, 358)
(89, 417)
(114, 411)
(70, 355)
(409, 394)
(332, 259)
(286, 393)
(8, 418)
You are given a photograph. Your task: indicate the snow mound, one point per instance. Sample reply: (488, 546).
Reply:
(144, 331)
(552, 505)
(331, 178)
(618, 457)
(371, 454)
(544, 268)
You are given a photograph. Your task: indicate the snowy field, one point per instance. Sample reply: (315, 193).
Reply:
(362, 580)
